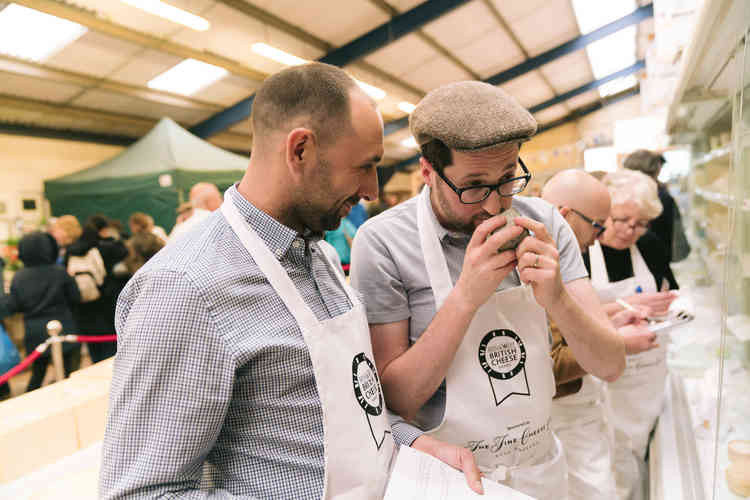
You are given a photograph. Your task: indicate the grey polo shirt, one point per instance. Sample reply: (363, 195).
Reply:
(388, 269)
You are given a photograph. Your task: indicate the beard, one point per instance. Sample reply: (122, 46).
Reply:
(315, 210)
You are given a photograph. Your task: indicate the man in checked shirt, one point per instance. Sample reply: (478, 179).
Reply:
(244, 365)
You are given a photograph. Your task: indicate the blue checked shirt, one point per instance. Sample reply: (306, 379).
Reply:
(212, 369)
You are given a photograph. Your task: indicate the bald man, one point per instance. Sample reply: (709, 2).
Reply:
(578, 409)
(204, 198)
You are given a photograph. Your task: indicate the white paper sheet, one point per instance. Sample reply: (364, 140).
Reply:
(417, 476)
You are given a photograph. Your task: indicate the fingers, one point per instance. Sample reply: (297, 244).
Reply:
(534, 245)
(469, 466)
(484, 229)
(539, 230)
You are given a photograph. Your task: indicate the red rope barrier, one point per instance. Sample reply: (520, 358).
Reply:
(43, 347)
(20, 367)
(94, 338)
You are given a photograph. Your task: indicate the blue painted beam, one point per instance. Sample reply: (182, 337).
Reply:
(578, 113)
(639, 65)
(375, 39)
(389, 32)
(533, 63)
(577, 43)
(574, 115)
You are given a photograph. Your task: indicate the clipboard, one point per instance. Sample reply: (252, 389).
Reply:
(674, 319)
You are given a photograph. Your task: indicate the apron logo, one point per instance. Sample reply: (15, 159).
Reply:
(502, 356)
(367, 391)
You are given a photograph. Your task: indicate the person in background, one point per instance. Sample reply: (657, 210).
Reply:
(459, 327)
(43, 291)
(243, 354)
(65, 229)
(341, 239)
(205, 198)
(97, 317)
(578, 410)
(357, 215)
(668, 224)
(184, 212)
(628, 263)
(144, 223)
(141, 247)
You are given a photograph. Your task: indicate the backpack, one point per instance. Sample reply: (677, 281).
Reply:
(88, 271)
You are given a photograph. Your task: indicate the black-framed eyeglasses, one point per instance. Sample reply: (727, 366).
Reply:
(477, 194)
(599, 227)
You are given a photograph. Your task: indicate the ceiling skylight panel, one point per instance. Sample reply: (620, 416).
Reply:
(618, 85)
(188, 77)
(30, 34)
(593, 14)
(612, 53)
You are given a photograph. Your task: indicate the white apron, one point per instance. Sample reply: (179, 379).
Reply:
(579, 421)
(500, 385)
(358, 445)
(636, 399)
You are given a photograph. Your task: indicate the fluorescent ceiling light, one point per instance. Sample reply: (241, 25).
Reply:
(188, 77)
(277, 55)
(612, 53)
(30, 34)
(371, 90)
(406, 107)
(288, 59)
(170, 13)
(593, 14)
(410, 142)
(617, 85)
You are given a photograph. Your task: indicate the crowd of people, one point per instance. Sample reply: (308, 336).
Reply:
(514, 348)
(74, 274)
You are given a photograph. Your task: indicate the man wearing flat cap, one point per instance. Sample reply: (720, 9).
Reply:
(458, 326)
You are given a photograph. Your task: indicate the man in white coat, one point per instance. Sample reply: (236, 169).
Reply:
(578, 416)
(458, 313)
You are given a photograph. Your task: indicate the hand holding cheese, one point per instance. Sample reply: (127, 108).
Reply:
(484, 268)
(539, 265)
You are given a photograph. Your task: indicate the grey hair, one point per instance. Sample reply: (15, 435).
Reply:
(631, 185)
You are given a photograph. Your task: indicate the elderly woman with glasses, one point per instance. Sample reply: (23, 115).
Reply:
(627, 265)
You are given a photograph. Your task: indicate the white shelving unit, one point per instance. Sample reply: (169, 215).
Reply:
(711, 404)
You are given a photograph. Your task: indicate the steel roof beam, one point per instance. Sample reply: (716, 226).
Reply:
(358, 48)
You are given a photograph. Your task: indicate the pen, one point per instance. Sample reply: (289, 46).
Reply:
(631, 308)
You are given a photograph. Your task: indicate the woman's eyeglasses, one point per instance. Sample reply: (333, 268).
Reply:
(622, 224)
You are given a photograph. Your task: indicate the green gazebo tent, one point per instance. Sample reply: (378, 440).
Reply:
(153, 176)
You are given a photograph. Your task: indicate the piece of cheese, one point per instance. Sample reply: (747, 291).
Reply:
(739, 449)
(738, 478)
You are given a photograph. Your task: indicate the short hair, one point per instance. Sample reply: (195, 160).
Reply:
(631, 185)
(69, 225)
(437, 154)
(645, 161)
(316, 91)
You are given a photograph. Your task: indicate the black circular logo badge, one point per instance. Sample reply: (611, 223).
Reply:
(502, 354)
(367, 385)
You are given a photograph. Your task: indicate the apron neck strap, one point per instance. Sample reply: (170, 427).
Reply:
(434, 259)
(269, 265)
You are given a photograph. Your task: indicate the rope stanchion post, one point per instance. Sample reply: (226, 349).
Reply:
(54, 328)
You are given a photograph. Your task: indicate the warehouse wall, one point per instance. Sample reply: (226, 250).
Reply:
(26, 162)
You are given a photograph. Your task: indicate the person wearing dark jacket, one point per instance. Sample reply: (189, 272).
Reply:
(43, 292)
(98, 317)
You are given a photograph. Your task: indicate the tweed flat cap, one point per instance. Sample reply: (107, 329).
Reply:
(470, 116)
